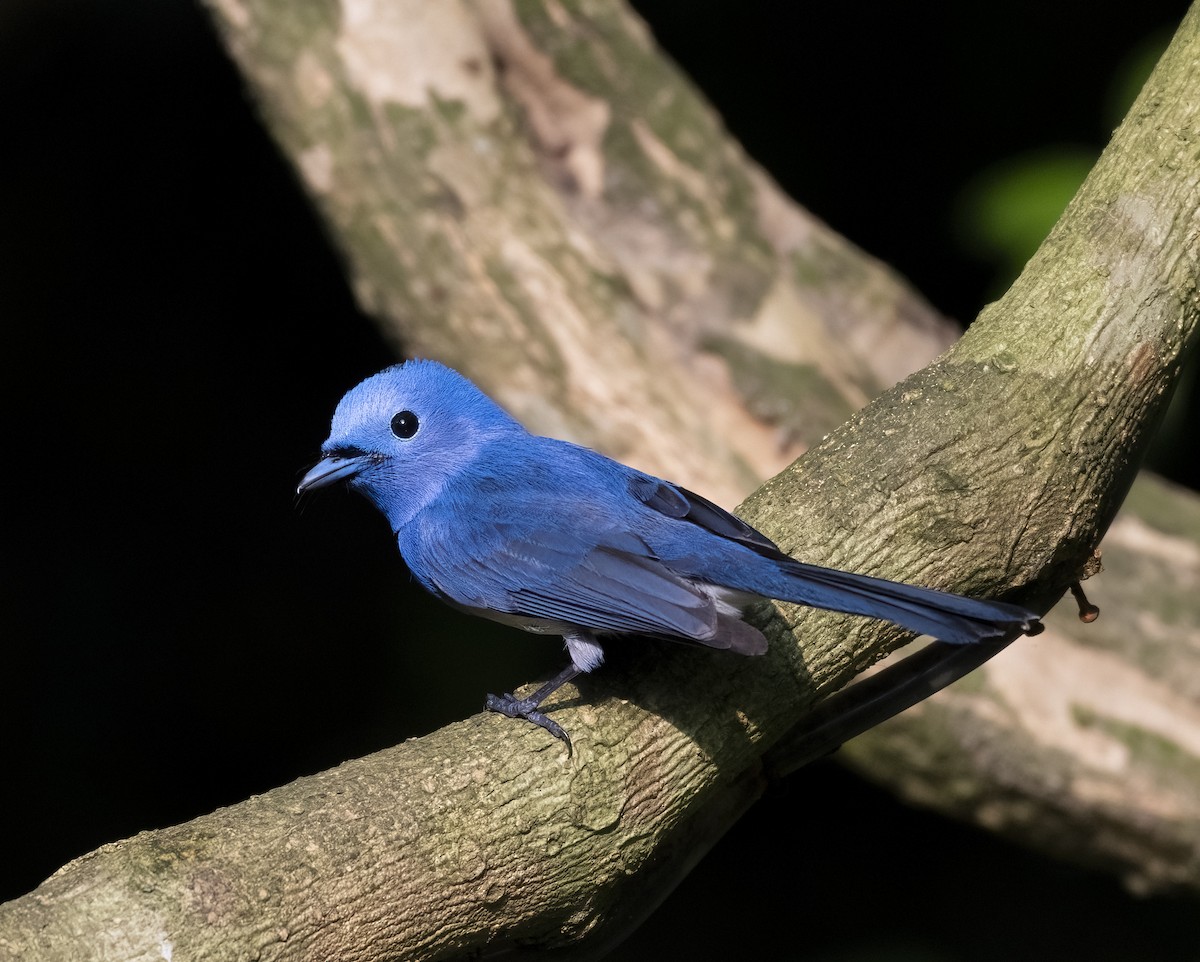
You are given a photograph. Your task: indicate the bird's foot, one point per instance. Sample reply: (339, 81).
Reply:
(527, 708)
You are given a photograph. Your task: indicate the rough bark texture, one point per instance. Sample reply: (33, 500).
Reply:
(534, 195)
(1084, 741)
(537, 199)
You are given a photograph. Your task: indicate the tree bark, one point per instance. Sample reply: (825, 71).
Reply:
(1085, 741)
(533, 196)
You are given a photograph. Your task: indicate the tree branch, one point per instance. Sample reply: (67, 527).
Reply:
(549, 206)
(1085, 741)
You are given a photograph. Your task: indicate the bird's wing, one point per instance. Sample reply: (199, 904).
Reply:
(602, 579)
(678, 502)
(562, 562)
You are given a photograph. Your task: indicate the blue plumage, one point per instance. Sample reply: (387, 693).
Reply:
(556, 538)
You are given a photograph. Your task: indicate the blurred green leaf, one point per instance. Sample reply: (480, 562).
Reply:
(1008, 209)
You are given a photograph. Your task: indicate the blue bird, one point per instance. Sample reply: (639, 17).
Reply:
(557, 539)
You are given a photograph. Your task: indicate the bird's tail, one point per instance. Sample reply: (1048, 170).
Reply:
(945, 616)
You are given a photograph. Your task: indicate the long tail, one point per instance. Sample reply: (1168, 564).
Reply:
(948, 617)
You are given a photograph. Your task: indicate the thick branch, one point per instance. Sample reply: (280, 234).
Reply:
(532, 194)
(485, 835)
(1084, 741)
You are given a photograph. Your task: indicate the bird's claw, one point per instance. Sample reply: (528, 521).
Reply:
(514, 707)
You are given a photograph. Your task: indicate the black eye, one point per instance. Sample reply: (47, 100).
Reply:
(404, 425)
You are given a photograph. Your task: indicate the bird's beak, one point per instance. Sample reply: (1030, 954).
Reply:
(331, 469)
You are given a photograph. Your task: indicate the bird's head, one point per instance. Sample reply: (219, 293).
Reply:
(402, 434)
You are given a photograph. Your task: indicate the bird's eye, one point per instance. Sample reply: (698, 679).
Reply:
(404, 425)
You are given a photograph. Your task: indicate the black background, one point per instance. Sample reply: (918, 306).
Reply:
(178, 635)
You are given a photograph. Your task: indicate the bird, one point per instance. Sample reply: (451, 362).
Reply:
(558, 539)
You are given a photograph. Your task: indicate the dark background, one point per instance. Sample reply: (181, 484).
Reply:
(178, 635)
